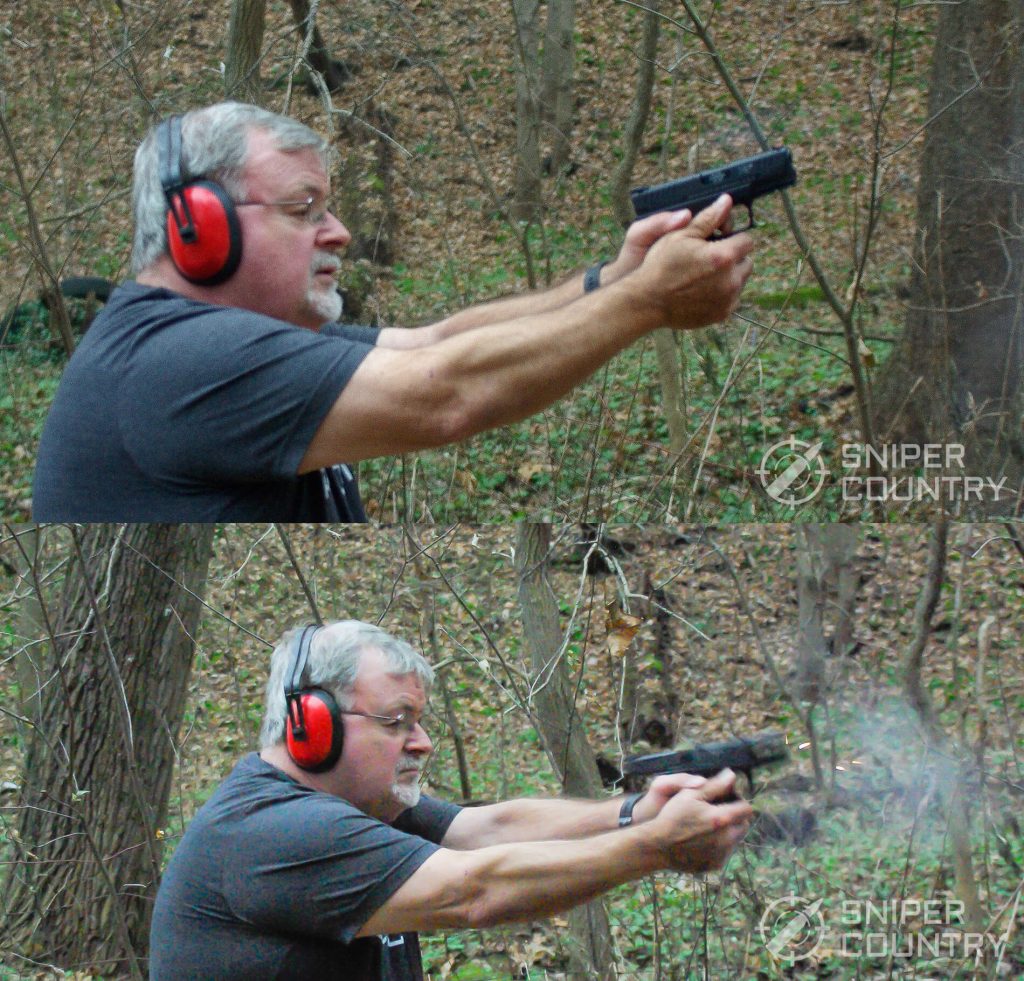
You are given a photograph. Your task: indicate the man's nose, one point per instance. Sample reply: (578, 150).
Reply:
(333, 234)
(419, 741)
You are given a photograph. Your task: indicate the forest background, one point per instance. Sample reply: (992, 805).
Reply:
(134, 659)
(891, 659)
(486, 148)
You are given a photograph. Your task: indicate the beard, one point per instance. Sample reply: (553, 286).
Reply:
(326, 304)
(406, 794)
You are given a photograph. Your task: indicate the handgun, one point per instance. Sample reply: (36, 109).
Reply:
(743, 180)
(743, 754)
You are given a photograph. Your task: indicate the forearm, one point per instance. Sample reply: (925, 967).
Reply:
(639, 239)
(532, 819)
(509, 371)
(513, 307)
(539, 879)
(507, 309)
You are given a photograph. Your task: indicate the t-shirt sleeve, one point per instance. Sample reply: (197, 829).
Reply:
(235, 396)
(323, 876)
(351, 332)
(429, 819)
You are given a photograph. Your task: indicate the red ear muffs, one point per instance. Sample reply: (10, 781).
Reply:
(315, 742)
(314, 732)
(204, 236)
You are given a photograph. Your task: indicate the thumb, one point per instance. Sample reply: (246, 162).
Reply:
(721, 785)
(645, 232)
(712, 217)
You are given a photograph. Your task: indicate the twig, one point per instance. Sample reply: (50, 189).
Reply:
(38, 250)
(286, 541)
(924, 610)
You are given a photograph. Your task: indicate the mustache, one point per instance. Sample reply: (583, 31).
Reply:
(325, 262)
(409, 763)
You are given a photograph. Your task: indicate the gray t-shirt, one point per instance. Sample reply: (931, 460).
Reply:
(274, 880)
(174, 410)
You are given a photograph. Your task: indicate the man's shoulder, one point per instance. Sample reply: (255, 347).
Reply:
(134, 302)
(258, 791)
(145, 321)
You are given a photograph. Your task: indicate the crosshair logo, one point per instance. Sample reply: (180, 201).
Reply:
(791, 928)
(792, 471)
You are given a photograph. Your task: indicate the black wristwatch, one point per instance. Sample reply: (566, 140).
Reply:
(626, 811)
(592, 277)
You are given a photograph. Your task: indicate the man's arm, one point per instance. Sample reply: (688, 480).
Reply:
(403, 400)
(639, 239)
(508, 883)
(560, 819)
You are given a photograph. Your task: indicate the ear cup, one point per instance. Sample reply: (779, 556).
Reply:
(317, 748)
(212, 253)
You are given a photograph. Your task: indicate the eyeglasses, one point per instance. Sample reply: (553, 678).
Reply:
(302, 209)
(404, 722)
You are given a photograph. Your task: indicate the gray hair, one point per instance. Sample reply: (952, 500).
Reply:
(214, 146)
(335, 654)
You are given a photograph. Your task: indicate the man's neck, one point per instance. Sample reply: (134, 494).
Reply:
(277, 756)
(162, 275)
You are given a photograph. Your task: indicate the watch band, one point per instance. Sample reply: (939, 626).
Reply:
(592, 277)
(626, 811)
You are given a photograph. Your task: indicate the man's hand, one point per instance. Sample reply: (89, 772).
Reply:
(696, 834)
(692, 281)
(661, 791)
(640, 236)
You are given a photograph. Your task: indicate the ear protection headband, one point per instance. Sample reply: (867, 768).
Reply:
(204, 236)
(314, 732)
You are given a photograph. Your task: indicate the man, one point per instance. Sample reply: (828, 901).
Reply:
(320, 858)
(194, 398)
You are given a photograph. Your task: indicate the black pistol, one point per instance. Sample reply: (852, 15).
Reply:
(743, 754)
(743, 180)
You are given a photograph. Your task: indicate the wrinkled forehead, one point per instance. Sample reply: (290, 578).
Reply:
(269, 169)
(376, 677)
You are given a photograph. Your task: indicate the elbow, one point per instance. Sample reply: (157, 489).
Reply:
(475, 901)
(452, 413)
(466, 906)
(455, 421)
(482, 915)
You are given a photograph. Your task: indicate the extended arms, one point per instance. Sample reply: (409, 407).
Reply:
(505, 883)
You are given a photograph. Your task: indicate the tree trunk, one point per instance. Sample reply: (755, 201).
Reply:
(98, 767)
(810, 657)
(318, 56)
(245, 45)
(953, 778)
(554, 712)
(526, 194)
(556, 82)
(956, 376)
(825, 566)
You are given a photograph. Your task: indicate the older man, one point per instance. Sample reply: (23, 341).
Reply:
(194, 398)
(319, 857)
